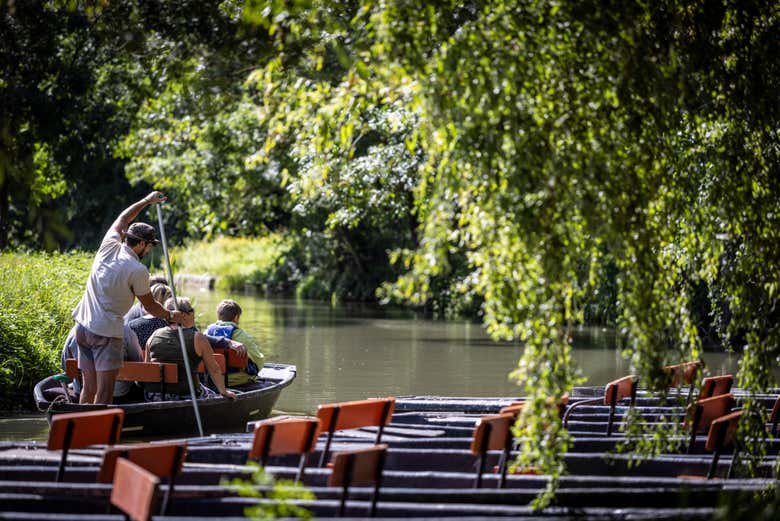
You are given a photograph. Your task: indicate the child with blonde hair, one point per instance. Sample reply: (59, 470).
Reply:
(229, 314)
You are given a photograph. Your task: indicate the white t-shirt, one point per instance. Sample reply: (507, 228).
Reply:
(117, 277)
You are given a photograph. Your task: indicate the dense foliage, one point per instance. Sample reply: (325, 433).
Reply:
(73, 78)
(37, 295)
(559, 140)
(539, 162)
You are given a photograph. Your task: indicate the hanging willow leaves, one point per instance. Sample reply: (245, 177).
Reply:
(557, 139)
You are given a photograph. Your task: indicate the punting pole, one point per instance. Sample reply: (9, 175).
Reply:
(181, 335)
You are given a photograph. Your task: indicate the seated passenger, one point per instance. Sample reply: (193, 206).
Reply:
(138, 310)
(229, 313)
(147, 324)
(129, 391)
(164, 346)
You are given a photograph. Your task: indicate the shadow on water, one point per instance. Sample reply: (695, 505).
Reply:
(349, 352)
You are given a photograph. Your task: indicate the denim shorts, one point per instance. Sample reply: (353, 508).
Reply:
(99, 353)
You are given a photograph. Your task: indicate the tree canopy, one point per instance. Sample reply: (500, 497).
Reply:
(74, 80)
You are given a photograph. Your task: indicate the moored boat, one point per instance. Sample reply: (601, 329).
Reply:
(428, 471)
(176, 417)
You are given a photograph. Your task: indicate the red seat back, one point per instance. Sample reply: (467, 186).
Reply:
(134, 371)
(492, 433)
(618, 389)
(723, 430)
(284, 436)
(705, 411)
(235, 359)
(684, 373)
(164, 460)
(353, 415)
(148, 372)
(357, 467)
(220, 358)
(86, 428)
(715, 386)
(133, 490)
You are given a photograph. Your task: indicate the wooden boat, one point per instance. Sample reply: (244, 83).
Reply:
(405, 492)
(456, 504)
(491, 405)
(176, 417)
(420, 479)
(208, 463)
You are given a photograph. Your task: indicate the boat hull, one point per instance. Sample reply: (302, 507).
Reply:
(177, 418)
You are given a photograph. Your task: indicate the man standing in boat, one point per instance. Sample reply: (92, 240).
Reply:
(116, 279)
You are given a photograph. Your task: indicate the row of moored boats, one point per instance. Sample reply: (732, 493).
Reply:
(428, 457)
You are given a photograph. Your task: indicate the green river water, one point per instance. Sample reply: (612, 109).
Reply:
(350, 352)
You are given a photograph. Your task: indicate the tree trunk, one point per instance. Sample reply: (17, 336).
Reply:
(5, 202)
(5, 179)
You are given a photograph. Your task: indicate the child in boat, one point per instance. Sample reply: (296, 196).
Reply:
(229, 314)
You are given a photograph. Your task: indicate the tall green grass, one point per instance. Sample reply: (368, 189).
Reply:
(235, 261)
(38, 292)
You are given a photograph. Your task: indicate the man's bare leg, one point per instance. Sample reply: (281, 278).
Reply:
(105, 386)
(88, 386)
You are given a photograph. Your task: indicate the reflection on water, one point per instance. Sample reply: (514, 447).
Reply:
(350, 352)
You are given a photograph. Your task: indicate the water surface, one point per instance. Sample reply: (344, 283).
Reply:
(350, 352)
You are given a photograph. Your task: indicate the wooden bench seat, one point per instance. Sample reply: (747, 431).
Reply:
(135, 371)
(81, 429)
(233, 357)
(162, 373)
(374, 412)
(279, 436)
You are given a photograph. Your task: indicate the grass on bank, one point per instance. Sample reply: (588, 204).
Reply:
(234, 261)
(38, 292)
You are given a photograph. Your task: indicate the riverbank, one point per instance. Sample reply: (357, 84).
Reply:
(38, 292)
(233, 263)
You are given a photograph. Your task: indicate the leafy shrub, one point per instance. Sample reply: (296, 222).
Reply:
(38, 292)
(276, 498)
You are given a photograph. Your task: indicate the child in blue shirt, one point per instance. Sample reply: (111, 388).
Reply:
(229, 314)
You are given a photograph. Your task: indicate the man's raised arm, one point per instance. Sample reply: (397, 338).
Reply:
(131, 212)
